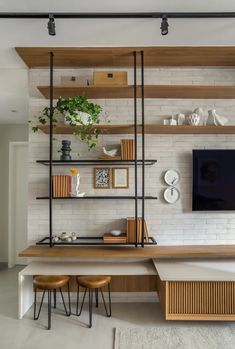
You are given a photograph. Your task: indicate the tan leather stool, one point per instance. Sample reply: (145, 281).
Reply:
(50, 283)
(93, 283)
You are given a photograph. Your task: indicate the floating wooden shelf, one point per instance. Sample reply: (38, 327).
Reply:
(151, 91)
(158, 56)
(149, 129)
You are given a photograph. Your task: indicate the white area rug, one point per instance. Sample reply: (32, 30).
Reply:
(180, 337)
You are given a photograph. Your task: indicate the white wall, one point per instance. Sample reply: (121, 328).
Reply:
(169, 224)
(8, 133)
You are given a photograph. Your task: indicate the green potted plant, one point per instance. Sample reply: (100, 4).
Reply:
(75, 111)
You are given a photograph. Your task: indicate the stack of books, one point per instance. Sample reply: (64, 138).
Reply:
(61, 186)
(131, 232)
(127, 149)
(109, 238)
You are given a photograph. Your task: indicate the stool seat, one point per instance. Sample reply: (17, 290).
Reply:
(93, 281)
(50, 282)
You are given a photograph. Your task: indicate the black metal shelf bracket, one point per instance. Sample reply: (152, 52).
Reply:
(143, 146)
(136, 147)
(51, 147)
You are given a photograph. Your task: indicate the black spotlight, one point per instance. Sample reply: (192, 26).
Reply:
(164, 25)
(51, 25)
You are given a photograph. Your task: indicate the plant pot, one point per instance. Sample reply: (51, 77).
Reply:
(82, 116)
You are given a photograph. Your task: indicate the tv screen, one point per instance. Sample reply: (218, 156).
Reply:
(213, 180)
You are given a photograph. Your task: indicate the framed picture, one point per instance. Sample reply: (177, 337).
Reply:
(102, 178)
(121, 177)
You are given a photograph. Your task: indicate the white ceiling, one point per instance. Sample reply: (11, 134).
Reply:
(101, 33)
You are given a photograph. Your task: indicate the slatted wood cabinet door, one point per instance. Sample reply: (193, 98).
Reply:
(198, 300)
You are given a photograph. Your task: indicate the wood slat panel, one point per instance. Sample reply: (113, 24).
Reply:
(200, 300)
(125, 283)
(131, 252)
(158, 56)
(151, 91)
(149, 129)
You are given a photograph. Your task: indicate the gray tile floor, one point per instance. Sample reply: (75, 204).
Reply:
(70, 332)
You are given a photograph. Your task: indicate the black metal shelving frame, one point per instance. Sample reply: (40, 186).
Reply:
(137, 162)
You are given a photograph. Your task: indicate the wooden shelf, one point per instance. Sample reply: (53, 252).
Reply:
(151, 91)
(158, 56)
(149, 129)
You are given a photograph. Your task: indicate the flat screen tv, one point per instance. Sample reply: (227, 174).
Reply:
(213, 180)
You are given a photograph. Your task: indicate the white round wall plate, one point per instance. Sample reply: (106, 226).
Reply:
(171, 177)
(171, 195)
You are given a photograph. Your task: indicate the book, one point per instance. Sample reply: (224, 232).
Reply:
(131, 231)
(61, 185)
(127, 149)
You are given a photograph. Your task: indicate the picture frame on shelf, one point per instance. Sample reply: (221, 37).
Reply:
(102, 178)
(120, 178)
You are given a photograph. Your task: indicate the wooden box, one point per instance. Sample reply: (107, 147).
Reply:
(110, 78)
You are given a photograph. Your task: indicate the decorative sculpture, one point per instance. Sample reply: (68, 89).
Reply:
(214, 119)
(180, 119)
(193, 119)
(111, 152)
(65, 150)
(75, 182)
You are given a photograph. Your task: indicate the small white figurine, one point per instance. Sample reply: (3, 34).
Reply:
(73, 236)
(172, 121)
(75, 182)
(194, 119)
(111, 153)
(180, 119)
(214, 119)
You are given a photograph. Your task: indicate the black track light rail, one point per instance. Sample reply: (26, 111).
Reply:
(107, 15)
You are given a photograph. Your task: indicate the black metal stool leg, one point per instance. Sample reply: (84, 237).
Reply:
(79, 313)
(105, 307)
(36, 317)
(96, 298)
(49, 309)
(68, 313)
(90, 306)
(54, 293)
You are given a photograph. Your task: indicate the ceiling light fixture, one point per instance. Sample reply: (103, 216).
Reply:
(51, 25)
(164, 25)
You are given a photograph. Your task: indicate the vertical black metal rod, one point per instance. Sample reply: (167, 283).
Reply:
(49, 309)
(143, 146)
(51, 146)
(135, 138)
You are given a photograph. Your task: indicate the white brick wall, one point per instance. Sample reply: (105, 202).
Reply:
(169, 224)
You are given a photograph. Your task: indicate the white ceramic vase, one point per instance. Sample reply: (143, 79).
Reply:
(70, 120)
(194, 119)
(214, 119)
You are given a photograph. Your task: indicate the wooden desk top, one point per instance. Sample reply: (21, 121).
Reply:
(130, 252)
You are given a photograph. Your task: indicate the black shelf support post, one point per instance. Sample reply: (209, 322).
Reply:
(51, 146)
(143, 146)
(135, 138)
